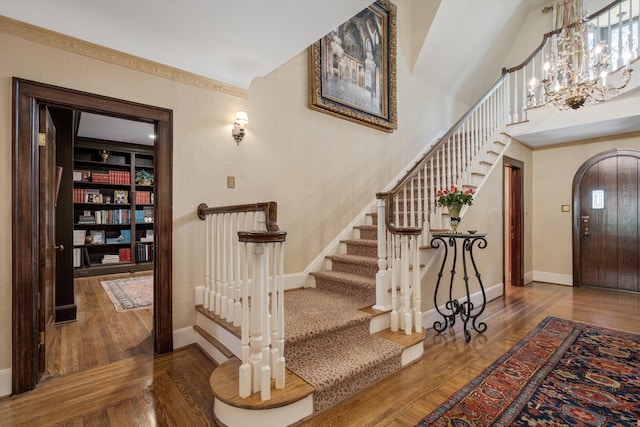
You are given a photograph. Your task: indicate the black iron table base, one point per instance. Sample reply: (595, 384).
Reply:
(459, 245)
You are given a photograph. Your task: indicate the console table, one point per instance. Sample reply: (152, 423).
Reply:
(459, 246)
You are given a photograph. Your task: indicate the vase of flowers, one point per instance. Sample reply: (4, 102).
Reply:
(454, 199)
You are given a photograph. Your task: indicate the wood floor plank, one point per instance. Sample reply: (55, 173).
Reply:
(173, 389)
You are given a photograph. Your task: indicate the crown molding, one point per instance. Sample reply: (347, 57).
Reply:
(91, 50)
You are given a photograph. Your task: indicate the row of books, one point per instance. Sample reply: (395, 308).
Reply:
(144, 198)
(112, 216)
(144, 252)
(81, 257)
(108, 177)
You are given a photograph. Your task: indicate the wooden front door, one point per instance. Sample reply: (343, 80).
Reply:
(606, 233)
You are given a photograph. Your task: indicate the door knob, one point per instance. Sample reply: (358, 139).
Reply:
(59, 248)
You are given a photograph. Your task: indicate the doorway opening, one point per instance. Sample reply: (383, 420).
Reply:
(97, 280)
(513, 223)
(28, 339)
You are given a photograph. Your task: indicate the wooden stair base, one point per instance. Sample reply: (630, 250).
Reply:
(295, 402)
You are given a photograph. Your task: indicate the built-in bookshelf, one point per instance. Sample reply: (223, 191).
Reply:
(113, 207)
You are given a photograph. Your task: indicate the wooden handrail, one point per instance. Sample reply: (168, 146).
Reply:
(270, 210)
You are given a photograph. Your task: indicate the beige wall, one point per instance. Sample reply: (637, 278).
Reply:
(553, 173)
(322, 171)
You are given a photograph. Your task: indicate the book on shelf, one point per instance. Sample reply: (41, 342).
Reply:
(144, 252)
(113, 216)
(143, 197)
(77, 257)
(110, 258)
(124, 254)
(81, 257)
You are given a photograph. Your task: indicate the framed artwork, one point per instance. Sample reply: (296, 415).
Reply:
(352, 70)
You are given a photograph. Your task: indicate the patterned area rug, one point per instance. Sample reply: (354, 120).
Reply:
(130, 293)
(563, 373)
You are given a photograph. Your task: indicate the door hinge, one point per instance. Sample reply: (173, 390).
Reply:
(42, 139)
(42, 338)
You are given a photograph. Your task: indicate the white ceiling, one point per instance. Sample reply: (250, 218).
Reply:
(96, 126)
(235, 41)
(232, 41)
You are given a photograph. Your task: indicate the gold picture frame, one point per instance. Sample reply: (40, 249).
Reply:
(352, 76)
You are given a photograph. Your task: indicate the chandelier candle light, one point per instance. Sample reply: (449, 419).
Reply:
(454, 199)
(576, 69)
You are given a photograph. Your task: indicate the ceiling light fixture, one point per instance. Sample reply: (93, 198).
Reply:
(575, 74)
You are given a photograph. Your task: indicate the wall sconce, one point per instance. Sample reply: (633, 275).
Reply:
(240, 120)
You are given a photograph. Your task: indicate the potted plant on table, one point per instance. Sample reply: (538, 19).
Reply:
(454, 199)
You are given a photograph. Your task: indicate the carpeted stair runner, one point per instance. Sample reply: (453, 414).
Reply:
(329, 345)
(328, 340)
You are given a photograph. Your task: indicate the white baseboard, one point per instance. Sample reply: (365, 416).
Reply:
(528, 277)
(183, 337)
(5, 382)
(558, 279)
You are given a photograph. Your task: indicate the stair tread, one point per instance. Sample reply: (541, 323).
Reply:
(355, 259)
(345, 277)
(361, 242)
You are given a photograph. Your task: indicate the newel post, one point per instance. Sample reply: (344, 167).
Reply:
(262, 359)
(383, 302)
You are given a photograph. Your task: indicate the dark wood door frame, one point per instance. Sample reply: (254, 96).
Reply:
(518, 212)
(27, 96)
(577, 183)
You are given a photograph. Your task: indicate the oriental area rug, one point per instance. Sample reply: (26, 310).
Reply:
(130, 293)
(563, 373)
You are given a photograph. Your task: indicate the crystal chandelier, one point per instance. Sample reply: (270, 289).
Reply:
(575, 75)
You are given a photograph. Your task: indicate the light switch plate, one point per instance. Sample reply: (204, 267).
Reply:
(231, 182)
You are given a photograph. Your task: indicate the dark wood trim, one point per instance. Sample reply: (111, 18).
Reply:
(270, 210)
(577, 182)
(27, 95)
(515, 164)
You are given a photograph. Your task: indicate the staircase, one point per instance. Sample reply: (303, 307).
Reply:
(336, 343)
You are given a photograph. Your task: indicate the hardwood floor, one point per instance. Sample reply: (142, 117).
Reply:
(173, 389)
(100, 335)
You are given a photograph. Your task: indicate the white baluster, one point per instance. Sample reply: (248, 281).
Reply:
(256, 326)
(395, 277)
(207, 260)
(237, 315)
(280, 360)
(245, 379)
(263, 300)
(417, 291)
(405, 291)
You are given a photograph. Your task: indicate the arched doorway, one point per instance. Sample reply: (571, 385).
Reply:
(606, 193)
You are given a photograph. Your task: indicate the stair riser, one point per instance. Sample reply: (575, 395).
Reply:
(366, 294)
(368, 233)
(361, 250)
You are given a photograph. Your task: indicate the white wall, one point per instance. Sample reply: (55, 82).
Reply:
(321, 170)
